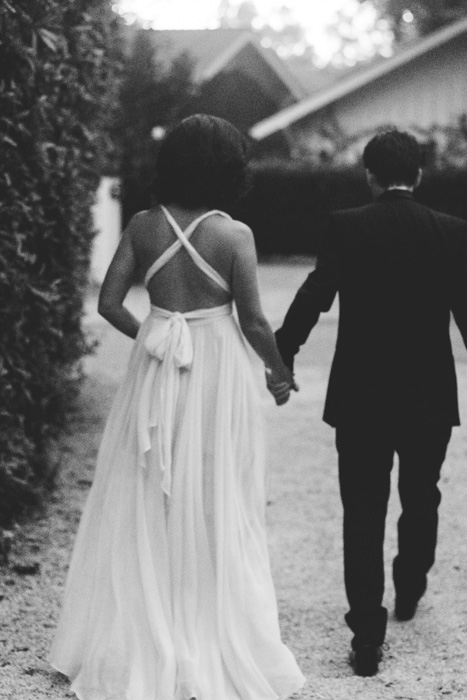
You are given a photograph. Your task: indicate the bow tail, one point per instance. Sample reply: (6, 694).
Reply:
(145, 415)
(167, 426)
(172, 350)
(157, 409)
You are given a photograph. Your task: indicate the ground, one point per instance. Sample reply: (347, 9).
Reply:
(425, 659)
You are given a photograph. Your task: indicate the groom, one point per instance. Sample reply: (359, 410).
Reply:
(399, 269)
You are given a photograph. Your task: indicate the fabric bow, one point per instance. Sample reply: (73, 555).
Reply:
(170, 344)
(172, 338)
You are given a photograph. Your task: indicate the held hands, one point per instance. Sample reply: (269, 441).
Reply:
(280, 384)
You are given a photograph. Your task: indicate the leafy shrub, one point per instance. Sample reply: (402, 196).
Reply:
(56, 92)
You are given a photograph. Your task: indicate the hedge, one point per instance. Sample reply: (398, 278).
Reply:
(288, 205)
(56, 91)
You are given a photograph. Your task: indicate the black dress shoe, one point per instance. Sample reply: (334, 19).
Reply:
(365, 659)
(405, 608)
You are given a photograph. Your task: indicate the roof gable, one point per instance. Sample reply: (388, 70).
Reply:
(356, 80)
(213, 49)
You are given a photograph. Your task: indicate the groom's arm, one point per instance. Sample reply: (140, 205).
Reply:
(458, 280)
(314, 296)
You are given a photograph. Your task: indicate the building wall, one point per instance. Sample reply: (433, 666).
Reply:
(430, 90)
(107, 222)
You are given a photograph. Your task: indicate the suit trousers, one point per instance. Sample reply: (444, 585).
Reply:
(366, 452)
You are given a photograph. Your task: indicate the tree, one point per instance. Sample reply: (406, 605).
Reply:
(419, 16)
(354, 34)
(152, 95)
(279, 29)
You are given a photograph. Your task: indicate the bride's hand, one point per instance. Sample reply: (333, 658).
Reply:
(280, 392)
(280, 384)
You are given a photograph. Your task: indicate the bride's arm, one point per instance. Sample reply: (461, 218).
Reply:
(253, 323)
(117, 282)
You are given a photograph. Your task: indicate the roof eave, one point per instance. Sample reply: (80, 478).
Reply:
(289, 115)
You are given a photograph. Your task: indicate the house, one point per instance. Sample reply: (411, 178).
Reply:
(237, 77)
(424, 85)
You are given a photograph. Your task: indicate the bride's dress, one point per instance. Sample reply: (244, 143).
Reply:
(169, 593)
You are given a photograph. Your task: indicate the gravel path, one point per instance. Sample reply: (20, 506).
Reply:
(426, 659)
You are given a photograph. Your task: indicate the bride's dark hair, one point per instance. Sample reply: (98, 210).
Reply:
(202, 162)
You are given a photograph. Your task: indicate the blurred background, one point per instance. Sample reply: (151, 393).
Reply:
(88, 88)
(310, 82)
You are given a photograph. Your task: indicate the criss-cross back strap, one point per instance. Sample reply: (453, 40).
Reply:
(182, 241)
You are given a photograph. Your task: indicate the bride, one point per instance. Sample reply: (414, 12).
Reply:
(169, 593)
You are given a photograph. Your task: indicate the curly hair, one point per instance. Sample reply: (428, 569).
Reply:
(202, 162)
(394, 158)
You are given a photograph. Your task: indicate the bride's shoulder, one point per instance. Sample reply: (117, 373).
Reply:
(228, 238)
(146, 217)
(236, 232)
(232, 238)
(141, 222)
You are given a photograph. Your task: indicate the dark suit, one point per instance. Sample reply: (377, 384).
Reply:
(400, 269)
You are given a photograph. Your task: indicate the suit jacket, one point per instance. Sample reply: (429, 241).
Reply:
(399, 268)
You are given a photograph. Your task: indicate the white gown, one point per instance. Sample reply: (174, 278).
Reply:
(169, 593)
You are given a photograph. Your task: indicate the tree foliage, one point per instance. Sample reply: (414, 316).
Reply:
(425, 15)
(279, 28)
(152, 95)
(57, 90)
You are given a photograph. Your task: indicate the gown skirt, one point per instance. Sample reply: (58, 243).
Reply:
(169, 594)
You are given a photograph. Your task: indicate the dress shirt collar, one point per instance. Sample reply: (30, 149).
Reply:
(395, 193)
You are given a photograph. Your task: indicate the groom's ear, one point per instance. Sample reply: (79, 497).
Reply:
(419, 178)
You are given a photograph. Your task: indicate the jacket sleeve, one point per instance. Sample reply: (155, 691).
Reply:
(459, 281)
(314, 296)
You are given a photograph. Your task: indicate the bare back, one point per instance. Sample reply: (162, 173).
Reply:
(180, 285)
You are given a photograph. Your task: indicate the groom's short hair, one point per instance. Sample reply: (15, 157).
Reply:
(393, 157)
